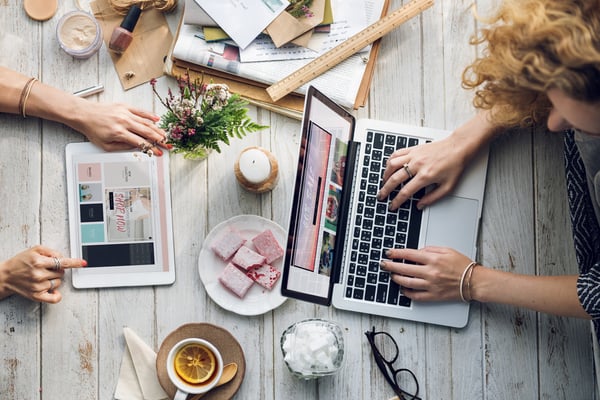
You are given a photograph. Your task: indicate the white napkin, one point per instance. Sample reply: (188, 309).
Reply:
(138, 379)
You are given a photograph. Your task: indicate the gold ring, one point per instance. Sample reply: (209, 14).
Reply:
(407, 170)
(146, 148)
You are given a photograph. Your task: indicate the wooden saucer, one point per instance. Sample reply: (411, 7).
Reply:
(228, 346)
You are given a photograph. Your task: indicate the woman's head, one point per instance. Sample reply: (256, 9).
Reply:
(532, 47)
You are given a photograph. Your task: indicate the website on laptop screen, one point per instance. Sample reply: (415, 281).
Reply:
(326, 133)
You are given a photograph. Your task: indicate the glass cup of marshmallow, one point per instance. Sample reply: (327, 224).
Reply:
(313, 348)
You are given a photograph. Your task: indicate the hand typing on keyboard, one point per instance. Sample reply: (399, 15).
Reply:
(438, 163)
(436, 277)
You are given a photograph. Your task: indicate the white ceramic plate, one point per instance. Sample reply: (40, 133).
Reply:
(258, 300)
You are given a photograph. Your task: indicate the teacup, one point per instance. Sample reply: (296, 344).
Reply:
(188, 367)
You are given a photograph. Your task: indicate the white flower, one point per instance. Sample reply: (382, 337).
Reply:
(217, 95)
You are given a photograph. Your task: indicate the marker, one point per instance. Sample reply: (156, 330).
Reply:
(89, 91)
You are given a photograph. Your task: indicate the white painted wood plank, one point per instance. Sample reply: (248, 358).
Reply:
(566, 362)
(69, 329)
(510, 356)
(19, 224)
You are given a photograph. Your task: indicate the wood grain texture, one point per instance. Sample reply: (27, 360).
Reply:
(73, 350)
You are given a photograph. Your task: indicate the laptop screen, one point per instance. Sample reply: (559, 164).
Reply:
(327, 131)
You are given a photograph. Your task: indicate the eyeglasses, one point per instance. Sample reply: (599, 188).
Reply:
(385, 351)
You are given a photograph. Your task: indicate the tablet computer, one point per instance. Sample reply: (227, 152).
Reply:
(119, 217)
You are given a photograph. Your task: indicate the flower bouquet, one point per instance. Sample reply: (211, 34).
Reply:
(202, 117)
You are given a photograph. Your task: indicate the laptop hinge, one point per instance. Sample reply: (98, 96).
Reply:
(344, 211)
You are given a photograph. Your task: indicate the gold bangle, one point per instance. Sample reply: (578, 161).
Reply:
(462, 280)
(25, 95)
(469, 296)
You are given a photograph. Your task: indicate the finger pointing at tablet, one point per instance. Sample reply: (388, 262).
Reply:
(36, 273)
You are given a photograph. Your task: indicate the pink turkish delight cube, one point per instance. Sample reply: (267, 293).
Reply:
(235, 280)
(265, 275)
(246, 259)
(266, 245)
(228, 244)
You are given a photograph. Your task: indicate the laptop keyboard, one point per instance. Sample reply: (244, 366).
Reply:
(377, 228)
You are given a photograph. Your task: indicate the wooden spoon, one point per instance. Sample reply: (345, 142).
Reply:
(229, 371)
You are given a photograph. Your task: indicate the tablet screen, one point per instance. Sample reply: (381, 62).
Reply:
(119, 217)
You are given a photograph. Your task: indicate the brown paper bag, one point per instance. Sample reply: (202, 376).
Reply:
(143, 59)
(285, 28)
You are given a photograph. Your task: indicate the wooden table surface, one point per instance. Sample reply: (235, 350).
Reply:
(73, 350)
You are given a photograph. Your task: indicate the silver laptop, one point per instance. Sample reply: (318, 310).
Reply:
(339, 231)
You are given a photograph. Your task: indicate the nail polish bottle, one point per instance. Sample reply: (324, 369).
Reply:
(122, 35)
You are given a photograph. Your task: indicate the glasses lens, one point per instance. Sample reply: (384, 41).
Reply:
(386, 346)
(407, 381)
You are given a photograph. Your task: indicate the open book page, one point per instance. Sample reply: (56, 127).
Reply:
(341, 83)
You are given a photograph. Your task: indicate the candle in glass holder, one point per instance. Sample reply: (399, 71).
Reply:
(256, 170)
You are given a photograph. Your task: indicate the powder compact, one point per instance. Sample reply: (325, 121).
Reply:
(79, 34)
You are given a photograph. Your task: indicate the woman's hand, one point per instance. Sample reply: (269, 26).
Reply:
(440, 163)
(436, 277)
(36, 274)
(120, 127)
(437, 164)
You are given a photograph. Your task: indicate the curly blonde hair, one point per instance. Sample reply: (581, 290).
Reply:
(533, 46)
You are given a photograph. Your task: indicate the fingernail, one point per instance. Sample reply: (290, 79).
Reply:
(420, 206)
(388, 253)
(158, 152)
(84, 263)
(382, 264)
(169, 146)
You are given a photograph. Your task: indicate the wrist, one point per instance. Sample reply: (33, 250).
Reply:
(53, 104)
(477, 132)
(478, 283)
(4, 290)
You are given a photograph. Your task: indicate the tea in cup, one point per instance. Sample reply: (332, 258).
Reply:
(194, 366)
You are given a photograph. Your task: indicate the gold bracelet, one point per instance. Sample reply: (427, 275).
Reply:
(469, 296)
(25, 95)
(462, 280)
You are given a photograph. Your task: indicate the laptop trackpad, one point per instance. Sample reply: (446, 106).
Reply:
(453, 223)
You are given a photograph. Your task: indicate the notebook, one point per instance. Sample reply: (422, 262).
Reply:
(119, 217)
(339, 231)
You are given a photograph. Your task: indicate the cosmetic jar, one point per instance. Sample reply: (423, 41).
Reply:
(79, 34)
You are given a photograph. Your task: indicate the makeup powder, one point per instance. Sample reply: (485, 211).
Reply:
(79, 34)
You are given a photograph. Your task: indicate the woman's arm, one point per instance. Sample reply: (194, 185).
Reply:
(548, 294)
(111, 126)
(437, 276)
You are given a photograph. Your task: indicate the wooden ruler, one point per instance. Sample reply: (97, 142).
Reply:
(347, 48)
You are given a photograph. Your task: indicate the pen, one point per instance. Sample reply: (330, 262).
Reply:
(89, 91)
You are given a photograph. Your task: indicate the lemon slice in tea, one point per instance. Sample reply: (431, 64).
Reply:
(195, 363)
